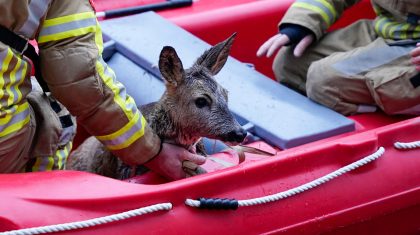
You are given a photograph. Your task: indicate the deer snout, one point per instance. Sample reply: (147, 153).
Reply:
(237, 135)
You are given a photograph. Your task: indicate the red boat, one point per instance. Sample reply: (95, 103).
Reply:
(366, 181)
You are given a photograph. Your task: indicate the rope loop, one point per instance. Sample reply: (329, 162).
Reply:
(91, 222)
(209, 203)
(407, 146)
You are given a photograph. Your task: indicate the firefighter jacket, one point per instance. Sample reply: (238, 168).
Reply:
(70, 45)
(396, 20)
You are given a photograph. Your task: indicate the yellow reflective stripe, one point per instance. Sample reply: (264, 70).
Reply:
(20, 108)
(395, 30)
(385, 27)
(416, 33)
(55, 162)
(67, 34)
(132, 138)
(378, 23)
(62, 155)
(98, 38)
(68, 18)
(404, 31)
(121, 131)
(108, 80)
(12, 81)
(4, 68)
(22, 79)
(18, 125)
(315, 9)
(329, 6)
(50, 164)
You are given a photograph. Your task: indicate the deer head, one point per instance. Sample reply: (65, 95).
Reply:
(196, 103)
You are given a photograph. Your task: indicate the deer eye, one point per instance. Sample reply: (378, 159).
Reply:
(201, 102)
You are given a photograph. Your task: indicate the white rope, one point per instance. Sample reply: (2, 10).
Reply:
(91, 222)
(302, 188)
(410, 145)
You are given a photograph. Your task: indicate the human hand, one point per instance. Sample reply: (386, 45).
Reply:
(172, 161)
(415, 56)
(279, 40)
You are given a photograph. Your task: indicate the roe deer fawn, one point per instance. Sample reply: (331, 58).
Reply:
(193, 106)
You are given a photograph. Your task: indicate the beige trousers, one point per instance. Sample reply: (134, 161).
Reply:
(351, 70)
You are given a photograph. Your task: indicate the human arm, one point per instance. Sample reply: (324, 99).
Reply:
(70, 43)
(309, 20)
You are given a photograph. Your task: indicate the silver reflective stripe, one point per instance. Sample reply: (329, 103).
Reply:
(15, 119)
(370, 59)
(322, 7)
(124, 137)
(67, 134)
(363, 108)
(19, 79)
(36, 9)
(67, 26)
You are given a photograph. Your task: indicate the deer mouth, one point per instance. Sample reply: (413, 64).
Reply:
(234, 137)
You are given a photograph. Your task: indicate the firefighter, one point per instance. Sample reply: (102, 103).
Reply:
(36, 131)
(356, 69)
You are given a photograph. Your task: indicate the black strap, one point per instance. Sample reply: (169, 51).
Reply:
(22, 46)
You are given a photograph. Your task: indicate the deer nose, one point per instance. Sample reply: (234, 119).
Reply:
(237, 135)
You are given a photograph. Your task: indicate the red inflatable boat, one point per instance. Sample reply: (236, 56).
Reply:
(362, 182)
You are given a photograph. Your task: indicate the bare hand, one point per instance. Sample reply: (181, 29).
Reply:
(171, 160)
(415, 56)
(279, 40)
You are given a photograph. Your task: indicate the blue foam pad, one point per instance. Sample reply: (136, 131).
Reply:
(279, 115)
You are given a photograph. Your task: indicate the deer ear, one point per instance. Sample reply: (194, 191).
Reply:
(170, 66)
(215, 58)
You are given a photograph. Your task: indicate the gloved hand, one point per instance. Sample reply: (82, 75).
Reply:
(415, 56)
(289, 35)
(171, 161)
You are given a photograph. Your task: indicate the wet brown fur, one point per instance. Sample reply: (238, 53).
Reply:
(176, 117)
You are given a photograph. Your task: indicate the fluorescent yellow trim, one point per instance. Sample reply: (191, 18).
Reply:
(416, 33)
(24, 70)
(110, 84)
(329, 6)
(15, 127)
(130, 140)
(67, 34)
(98, 38)
(404, 29)
(4, 68)
(50, 164)
(12, 80)
(315, 9)
(385, 27)
(68, 18)
(378, 23)
(21, 108)
(121, 131)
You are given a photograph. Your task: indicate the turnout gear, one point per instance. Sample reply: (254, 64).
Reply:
(366, 63)
(70, 47)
